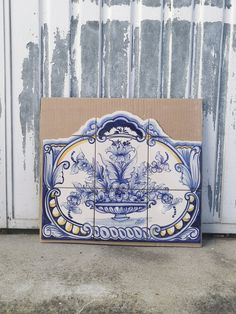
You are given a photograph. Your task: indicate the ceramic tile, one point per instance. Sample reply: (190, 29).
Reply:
(71, 213)
(121, 152)
(77, 204)
(78, 161)
(121, 161)
(121, 214)
(173, 165)
(174, 215)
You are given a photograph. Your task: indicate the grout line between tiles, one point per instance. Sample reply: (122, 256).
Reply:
(148, 152)
(95, 169)
(95, 188)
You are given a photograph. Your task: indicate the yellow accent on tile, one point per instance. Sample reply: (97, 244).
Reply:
(52, 203)
(179, 146)
(55, 212)
(191, 198)
(191, 208)
(61, 221)
(68, 227)
(75, 229)
(171, 230)
(163, 233)
(179, 225)
(171, 152)
(186, 217)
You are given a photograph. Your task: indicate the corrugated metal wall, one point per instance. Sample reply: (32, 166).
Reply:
(116, 48)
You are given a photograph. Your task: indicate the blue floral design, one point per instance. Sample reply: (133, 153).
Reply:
(119, 182)
(81, 163)
(119, 192)
(160, 163)
(138, 177)
(162, 193)
(73, 201)
(116, 171)
(120, 151)
(170, 202)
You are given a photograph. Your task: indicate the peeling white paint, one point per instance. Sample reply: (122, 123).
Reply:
(123, 12)
(129, 49)
(3, 220)
(228, 214)
(212, 14)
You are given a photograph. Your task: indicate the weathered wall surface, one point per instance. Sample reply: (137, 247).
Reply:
(2, 126)
(116, 48)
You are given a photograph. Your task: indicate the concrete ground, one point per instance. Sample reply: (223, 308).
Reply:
(72, 278)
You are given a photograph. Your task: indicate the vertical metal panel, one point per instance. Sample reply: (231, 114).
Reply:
(121, 48)
(147, 45)
(8, 108)
(88, 46)
(207, 68)
(23, 123)
(3, 220)
(116, 43)
(55, 43)
(229, 133)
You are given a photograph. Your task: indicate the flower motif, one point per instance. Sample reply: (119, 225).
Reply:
(167, 198)
(100, 196)
(72, 203)
(156, 190)
(169, 202)
(138, 196)
(119, 192)
(160, 164)
(153, 195)
(138, 178)
(120, 151)
(80, 163)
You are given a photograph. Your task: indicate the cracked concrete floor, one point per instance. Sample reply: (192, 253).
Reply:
(72, 278)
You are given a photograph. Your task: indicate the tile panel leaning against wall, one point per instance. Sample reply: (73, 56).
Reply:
(117, 48)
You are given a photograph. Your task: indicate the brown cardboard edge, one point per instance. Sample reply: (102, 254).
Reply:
(110, 102)
(125, 243)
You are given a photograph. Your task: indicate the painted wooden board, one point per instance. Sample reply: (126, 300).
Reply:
(120, 177)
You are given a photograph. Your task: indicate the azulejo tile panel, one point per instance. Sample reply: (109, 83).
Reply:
(121, 179)
(174, 215)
